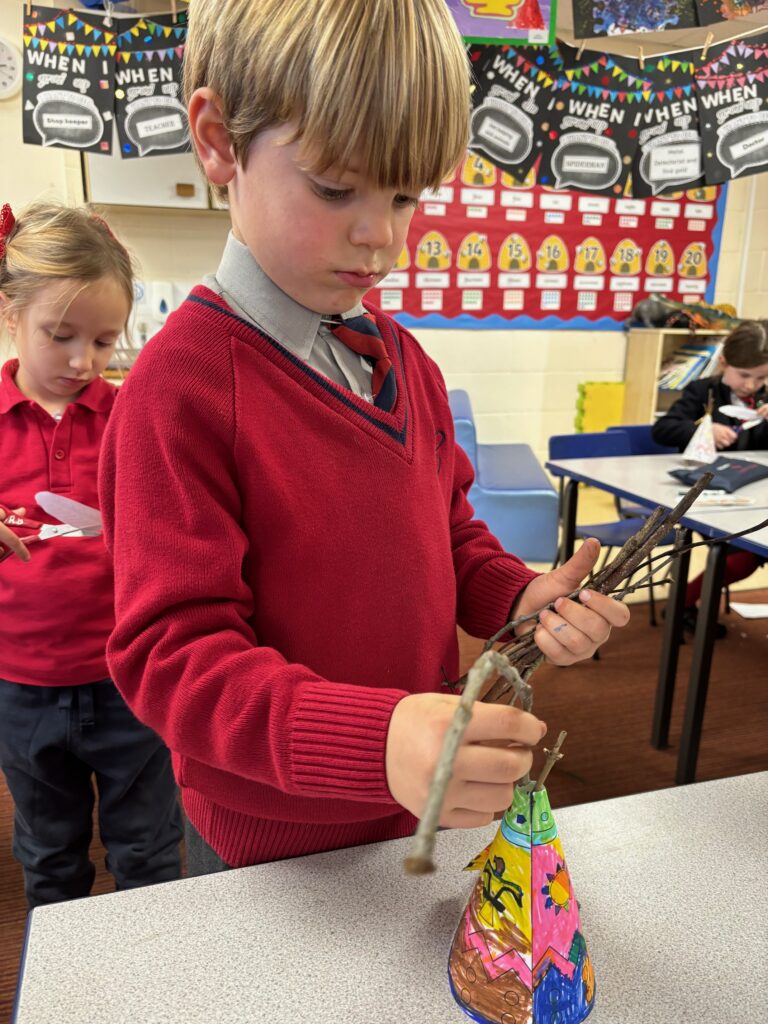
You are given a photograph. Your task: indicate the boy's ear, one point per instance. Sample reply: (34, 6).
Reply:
(210, 137)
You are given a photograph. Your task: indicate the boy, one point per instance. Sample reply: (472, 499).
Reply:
(291, 640)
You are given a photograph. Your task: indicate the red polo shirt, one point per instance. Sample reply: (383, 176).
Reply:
(56, 612)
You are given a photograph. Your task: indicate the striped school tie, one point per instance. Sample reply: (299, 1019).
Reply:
(361, 335)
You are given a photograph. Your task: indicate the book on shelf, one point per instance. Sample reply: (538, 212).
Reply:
(688, 362)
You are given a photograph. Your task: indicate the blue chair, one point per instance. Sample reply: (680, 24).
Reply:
(614, 534)
(511, 493)
(641, 440)
(641, 443)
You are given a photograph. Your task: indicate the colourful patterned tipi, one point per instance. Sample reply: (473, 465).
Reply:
(518, 955)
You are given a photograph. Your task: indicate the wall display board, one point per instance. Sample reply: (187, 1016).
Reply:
(711, 11)
(617, 17)
(505, 21)
(732, 93)
(668, 132)
(619, 125)
(80, 78)
(486, 251)
(151, 117)
(69, 68)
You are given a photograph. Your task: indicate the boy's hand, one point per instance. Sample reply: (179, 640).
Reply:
(575, 629)
(724, 435)
(9, 538)
(495, 752)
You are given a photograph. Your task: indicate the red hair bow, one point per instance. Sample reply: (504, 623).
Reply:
(7, 224)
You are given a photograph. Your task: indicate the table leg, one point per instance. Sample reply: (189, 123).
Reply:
(703, 645)
(570, 502)
(670, 647)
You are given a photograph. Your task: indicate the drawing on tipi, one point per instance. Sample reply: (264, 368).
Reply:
(518, 955)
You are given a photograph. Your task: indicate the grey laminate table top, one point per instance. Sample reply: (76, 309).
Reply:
(646, 479)
(673, 907)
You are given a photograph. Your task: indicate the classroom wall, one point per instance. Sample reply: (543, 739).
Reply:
(523, 384)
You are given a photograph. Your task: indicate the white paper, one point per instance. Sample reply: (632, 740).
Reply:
(750, 611)
(701, 447)
(738, 412)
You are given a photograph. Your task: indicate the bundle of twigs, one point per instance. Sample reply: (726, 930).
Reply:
(516, 660)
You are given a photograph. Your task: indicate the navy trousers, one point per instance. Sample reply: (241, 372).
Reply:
(55, 743)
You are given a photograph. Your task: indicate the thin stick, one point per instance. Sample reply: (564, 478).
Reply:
(420, 860)
(553, 756)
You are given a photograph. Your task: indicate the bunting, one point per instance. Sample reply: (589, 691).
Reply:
(69, 66)
(82, 79)
(603, 123)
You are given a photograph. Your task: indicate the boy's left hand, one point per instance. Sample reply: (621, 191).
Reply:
(575, 629)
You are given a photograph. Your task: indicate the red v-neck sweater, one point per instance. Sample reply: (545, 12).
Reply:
(290, 562)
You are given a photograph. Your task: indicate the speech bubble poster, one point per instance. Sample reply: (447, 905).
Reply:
(732, 92)
(151, 116)
(505, 21)
(68, 87)
(617, 17)
(666, 125)
(588, 141)
(513, 90)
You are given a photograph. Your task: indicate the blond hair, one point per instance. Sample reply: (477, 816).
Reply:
(384, 83)
(50, 242)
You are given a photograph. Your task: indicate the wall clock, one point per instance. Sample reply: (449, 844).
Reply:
(10, 69)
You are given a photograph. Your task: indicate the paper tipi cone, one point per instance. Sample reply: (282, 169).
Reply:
(701, 447)
(518, 955)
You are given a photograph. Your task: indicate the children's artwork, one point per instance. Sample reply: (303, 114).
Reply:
(587, 143)
(514, 86)
(69, 71)
(711, 11)
(732, 93)
(151, 116)
(505, 21)
(669, 147)
(701, 447)
(616, 17)
(79, 74)
(519, 955)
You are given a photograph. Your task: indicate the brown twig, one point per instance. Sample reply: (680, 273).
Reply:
(419, 862)
(517, 660)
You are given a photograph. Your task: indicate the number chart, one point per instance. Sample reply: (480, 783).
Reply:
(487, 251)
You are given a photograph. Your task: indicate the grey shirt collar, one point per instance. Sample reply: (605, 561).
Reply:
(251, 294)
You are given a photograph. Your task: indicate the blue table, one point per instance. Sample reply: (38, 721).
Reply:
(645, 480)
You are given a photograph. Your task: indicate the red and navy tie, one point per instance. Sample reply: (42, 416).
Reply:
(361, 334)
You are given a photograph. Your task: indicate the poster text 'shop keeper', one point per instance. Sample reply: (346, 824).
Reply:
(518, 955)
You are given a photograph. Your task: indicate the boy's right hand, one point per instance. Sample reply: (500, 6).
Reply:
(9, 538)
(496, 750)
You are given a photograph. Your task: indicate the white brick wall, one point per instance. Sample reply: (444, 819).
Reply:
(523, 384)
(737, 218)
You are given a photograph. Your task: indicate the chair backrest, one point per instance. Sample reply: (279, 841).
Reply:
(589, 446)
(464, 424)
(641, 440)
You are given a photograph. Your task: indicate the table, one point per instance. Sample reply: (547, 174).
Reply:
(673, 908)
(645, 480)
